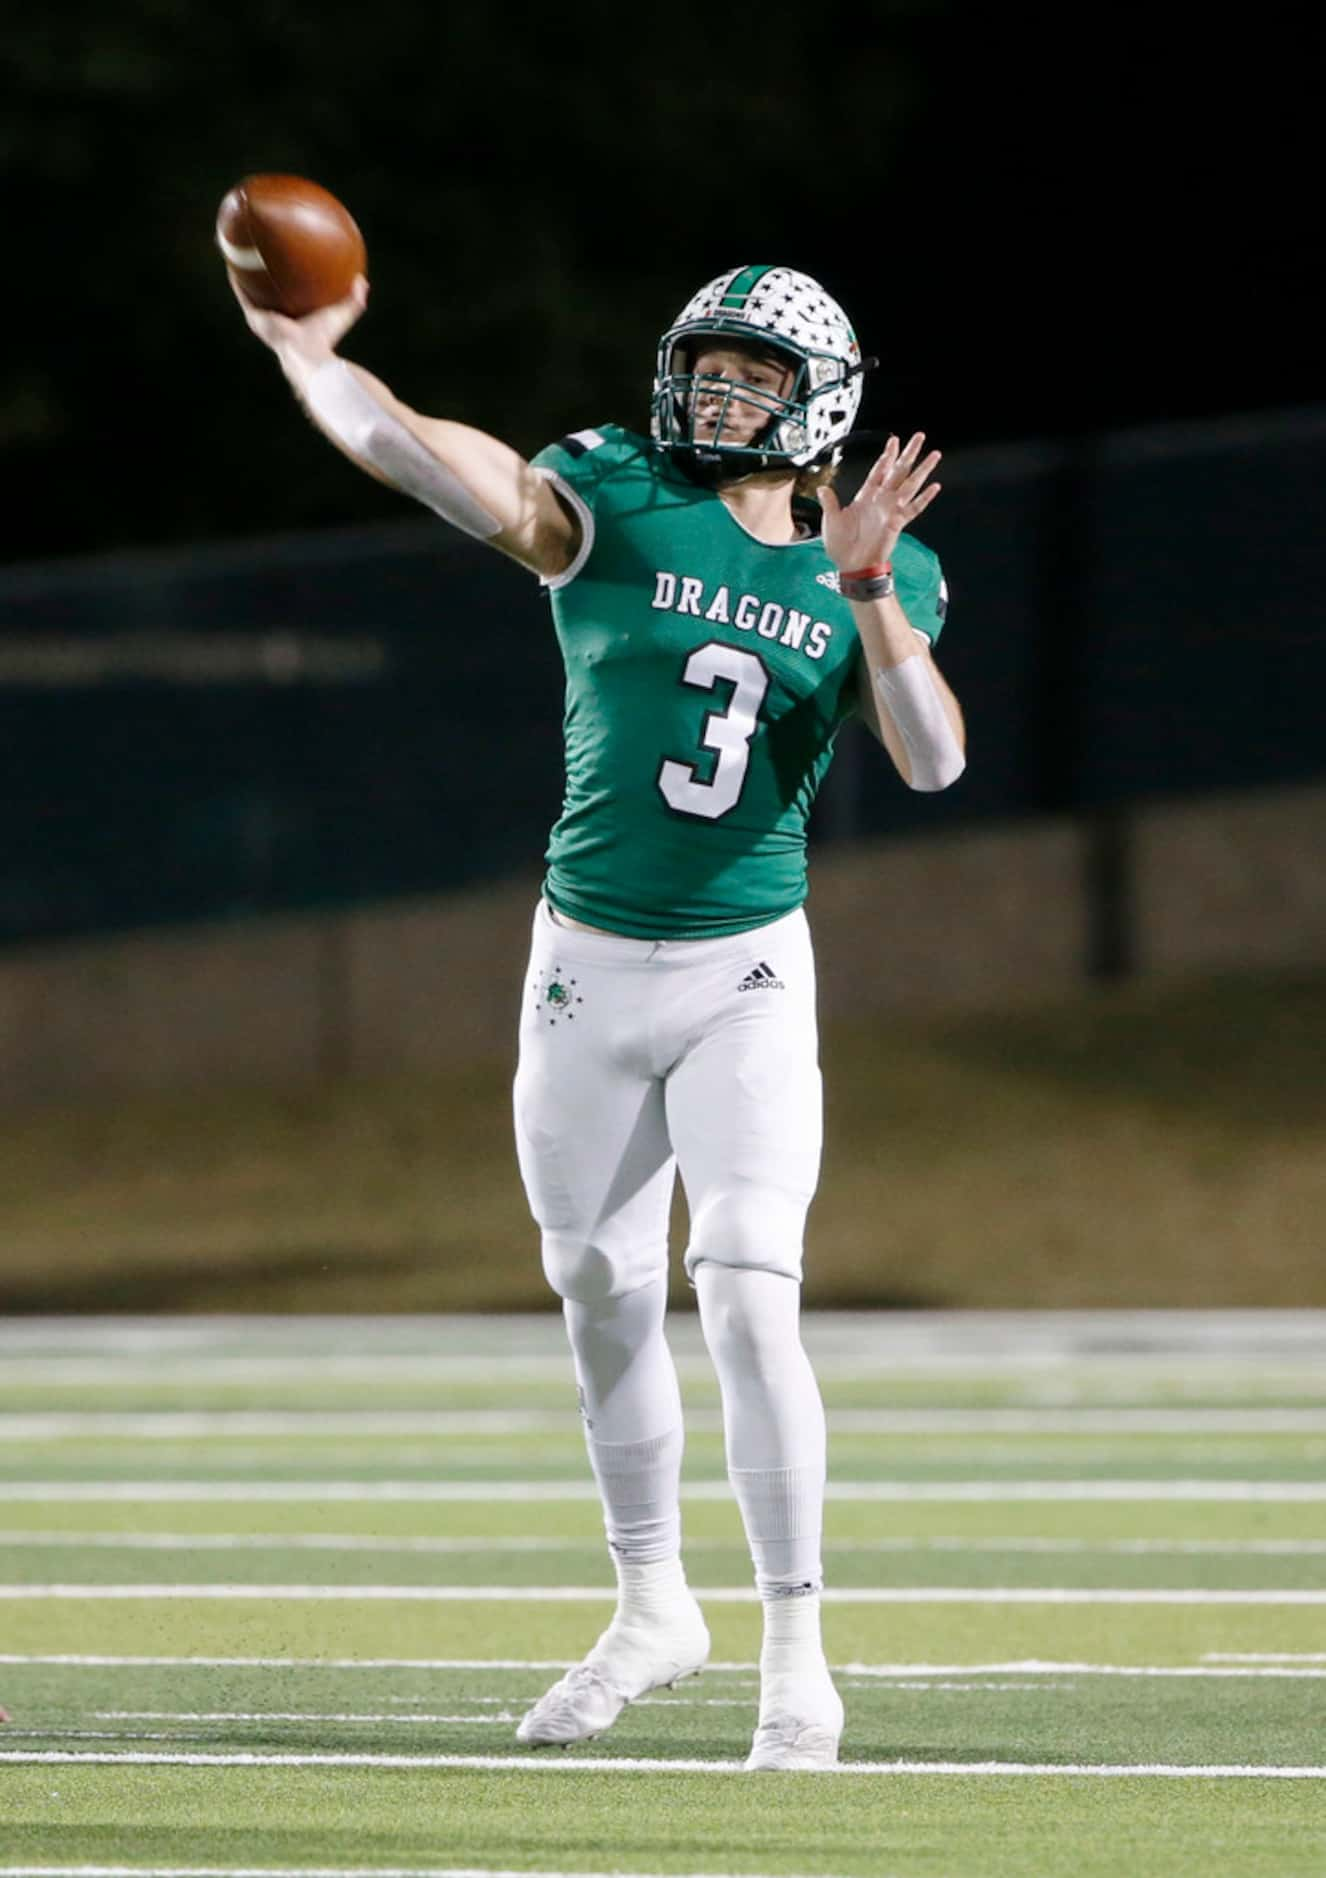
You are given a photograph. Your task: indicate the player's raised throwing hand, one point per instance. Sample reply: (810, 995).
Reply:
(313, 338)
(897, 490)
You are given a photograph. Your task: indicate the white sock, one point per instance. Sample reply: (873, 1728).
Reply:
(773, 1420)
(792, 1644)
(782, 1509)
(640, 1487)
(650, 1593)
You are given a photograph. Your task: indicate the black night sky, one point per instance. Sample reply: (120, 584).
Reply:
(1043, 224)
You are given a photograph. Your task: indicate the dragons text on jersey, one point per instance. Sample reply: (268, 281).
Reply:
(748, 612)
(707, 675)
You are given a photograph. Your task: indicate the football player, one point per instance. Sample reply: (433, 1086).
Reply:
(720, 615)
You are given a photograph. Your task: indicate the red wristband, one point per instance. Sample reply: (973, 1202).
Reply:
(869, 573)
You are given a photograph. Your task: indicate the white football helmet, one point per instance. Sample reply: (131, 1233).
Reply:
(781, 311)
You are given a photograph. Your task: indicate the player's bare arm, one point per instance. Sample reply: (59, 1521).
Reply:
(475, 481)
(904, 699)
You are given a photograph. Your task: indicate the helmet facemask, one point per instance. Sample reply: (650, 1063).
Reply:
(687, 399)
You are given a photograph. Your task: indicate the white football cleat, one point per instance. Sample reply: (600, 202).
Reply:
(626, 1663)
(798, 1737)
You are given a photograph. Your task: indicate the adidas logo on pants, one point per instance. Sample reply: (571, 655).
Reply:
(763, 978)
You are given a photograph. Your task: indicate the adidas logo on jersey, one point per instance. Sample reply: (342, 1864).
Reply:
(763, 978)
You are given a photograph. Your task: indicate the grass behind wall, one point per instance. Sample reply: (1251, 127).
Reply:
(1151, 1145)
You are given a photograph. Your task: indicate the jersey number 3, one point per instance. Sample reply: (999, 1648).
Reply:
(726, 732)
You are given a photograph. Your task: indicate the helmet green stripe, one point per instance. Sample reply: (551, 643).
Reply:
(734, 300)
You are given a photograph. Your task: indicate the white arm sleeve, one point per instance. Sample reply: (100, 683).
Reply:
(934, 754)
(350, 413)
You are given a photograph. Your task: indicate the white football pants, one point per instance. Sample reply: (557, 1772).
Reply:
(641, 1057)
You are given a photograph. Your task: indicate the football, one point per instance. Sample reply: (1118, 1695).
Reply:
(289, 245)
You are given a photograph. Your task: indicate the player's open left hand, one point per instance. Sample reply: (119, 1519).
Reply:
(314, 338)
(897, 490)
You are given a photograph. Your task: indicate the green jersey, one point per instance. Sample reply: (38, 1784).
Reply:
(707, 675)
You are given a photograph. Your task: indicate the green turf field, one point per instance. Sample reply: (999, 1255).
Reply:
(274, 1593)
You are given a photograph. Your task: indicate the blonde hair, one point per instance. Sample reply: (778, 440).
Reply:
(810, 481)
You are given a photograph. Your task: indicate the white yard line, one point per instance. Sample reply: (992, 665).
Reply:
(299, 1871)
(304, 1871)
(65, 1540)
(307, 1871)
(424, 1492)
(407, 1492)
(899, 1672)
(1093, 1384)
(313, 1662)
(562, 1763)
(534, 1369)
(1057, 1423)
(1213, 1666)
(413, 1720)
(1265, 1656)
(332, 1424)
(68, 1540)
(1169, 1335)
(1236, 1548)
(598, 1594)
(499, 1720)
